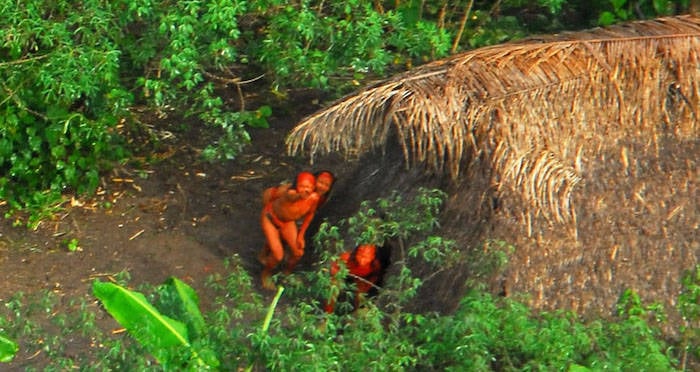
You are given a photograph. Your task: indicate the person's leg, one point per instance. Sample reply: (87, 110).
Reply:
(274, 249)
(292, 262)
(264, 252)
(289, 234)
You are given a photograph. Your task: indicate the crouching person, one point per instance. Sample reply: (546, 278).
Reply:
(365, 270)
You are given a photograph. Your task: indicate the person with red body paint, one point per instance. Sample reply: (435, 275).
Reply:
(324, 184)
(279, 224)
(364, 268)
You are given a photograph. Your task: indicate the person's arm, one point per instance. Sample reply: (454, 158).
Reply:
(269, 194)
(282, 189)
(305, 224)
(274, 192)
(272, 216)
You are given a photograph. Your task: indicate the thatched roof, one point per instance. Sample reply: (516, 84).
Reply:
(532, 109)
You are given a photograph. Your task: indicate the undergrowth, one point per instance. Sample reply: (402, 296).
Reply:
(486, 332)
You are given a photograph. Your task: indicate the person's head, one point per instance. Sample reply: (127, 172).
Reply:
(365, 254)
(305, 183)
(324, 182)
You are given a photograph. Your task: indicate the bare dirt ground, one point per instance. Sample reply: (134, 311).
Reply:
(183, 217)
(178, 216)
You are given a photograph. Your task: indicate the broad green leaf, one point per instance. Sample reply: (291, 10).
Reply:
(578, 368)
(158, 333)
(180, 301)
(8, 349)
(189, 304)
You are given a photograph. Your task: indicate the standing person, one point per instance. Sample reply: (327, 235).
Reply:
(278, 222)
(325, 180)
(364, 269)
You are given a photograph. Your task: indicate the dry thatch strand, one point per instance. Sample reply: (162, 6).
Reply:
(531, 108)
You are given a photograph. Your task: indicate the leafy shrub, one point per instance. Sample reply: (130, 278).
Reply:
(623, 10)
(689, 307)
(61, 100)
(8, 349)
(344, 41)
(484, 333)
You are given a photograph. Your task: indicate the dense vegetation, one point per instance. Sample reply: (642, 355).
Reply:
(486, 332)
(70, 74)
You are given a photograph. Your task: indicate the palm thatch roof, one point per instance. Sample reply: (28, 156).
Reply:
(532, 109)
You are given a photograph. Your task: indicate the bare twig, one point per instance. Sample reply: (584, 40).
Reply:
(21, 61)
(137, 234)
(462, 24)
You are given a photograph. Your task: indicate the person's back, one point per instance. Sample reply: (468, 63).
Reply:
(294, 204)
(324, 183)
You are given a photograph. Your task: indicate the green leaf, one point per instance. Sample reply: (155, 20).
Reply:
(158, 333)
(578, 368)
(265, 111)
(662, 7)
(188, 303)
(8, 349)
(618, 4)
(606, 18)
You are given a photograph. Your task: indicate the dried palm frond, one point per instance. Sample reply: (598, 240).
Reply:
(531, 108)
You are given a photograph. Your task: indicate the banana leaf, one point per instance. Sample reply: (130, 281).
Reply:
(159, 334)
(181, 302)
(8, 349)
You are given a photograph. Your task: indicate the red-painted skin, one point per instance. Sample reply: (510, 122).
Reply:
(363, 264)
(278, 222)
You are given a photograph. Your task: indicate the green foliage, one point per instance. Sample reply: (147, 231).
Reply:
(44, 324)
(182, 303)
(392, 218)
(689, 299)
(166, 338)
(71, 245)
(68, 75)
(485, 333)
(396, 222)
(188, 50)
(489, 260)
(61, 100)
(631, 337)
(8, 349)
(624, 10)
(490, 334)
(689, 307)
(338, 46)
(344, 41)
